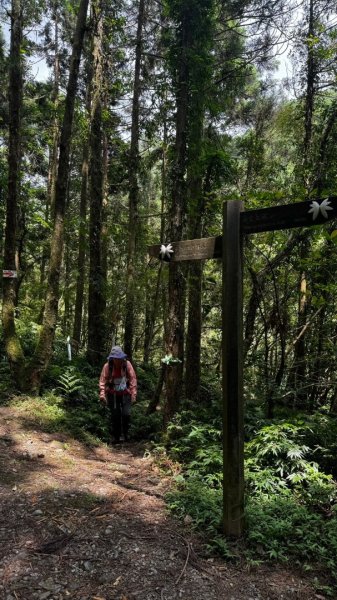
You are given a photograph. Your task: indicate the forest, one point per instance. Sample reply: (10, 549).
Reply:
(128, 124)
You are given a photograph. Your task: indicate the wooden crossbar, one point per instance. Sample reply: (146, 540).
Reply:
(274, 218)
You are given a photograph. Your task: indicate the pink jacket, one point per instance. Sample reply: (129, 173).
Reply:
(131, 377)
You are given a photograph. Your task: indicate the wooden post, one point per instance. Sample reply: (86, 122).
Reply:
(229, 246)
(233, 475)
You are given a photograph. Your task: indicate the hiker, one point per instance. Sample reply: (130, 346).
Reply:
(117, 391)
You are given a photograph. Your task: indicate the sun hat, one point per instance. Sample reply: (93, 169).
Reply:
(117, 352)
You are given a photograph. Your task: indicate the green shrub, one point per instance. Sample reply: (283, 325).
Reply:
(147, 377)
(144, 426)
(291, 505)
(283, 528)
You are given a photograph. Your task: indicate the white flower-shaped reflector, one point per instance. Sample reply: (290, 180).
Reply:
(166, 252)
(322, 208)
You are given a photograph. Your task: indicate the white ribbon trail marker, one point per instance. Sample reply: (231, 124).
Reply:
(69, 347)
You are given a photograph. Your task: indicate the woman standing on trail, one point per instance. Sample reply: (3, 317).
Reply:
(117, 391)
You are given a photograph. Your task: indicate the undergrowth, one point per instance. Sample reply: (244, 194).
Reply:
(69, 403)
(290, 496)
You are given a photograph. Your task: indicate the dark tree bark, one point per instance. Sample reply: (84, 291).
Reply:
(43, 350)
(152, 314)
(53, 150)
(96, 295)
(197, 193)
(56, 125)
(152, 407)
(12, 344)
(80, 279)
(300, 345)
(324, 149)
(67, 273)
(133, 189)
(195, 269)
(309, 98)
(176, 285)
(105, 245)
(82, 237)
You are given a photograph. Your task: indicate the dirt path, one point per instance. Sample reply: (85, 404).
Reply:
(91, 524)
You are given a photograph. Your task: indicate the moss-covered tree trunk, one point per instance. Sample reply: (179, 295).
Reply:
(12, 344)
(44, 347)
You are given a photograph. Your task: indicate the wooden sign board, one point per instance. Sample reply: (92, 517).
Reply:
(253, 221)
(300, 214)
(192, 249)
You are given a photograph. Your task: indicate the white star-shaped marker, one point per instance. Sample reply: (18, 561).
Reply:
(322, 208)
(166, 252)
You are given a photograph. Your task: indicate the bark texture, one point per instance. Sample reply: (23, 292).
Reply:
(44, 347)
(96, 302)
(176, 284)
(12, 344)
(133, 189)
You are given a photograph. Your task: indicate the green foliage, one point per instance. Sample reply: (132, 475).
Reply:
(279, 447)
(321, 436)
(144, 426)
(199, 501)
(70, 384)
(283, 528)
(147, 377)
(70, 403)
(52, 413)
(28, 332)
(170, 360)
(291, 505)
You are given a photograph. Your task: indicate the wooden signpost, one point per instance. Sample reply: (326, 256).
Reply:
(236, 224)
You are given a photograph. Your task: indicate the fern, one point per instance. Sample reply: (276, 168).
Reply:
(69, 384)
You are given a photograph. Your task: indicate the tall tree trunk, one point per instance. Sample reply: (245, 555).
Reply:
(318, 363)
(151, 316)
(80, 279)
(299, 366)
(105, 213)
(12, 344)
(196, 195)
(96, 293)
(82, 237)
(66, 273)
(53, 150)
(309, 99)
(195, 269)
(133, 189)
(149, 329)
(176, 284)
(324, 149)
(43, 350)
